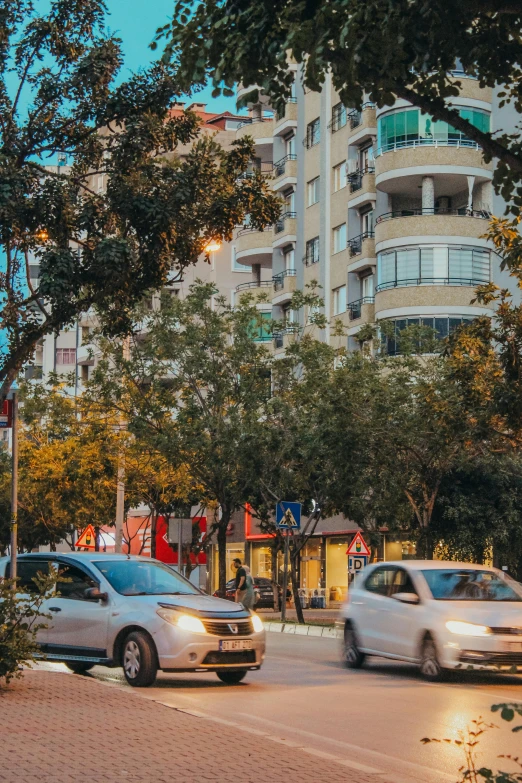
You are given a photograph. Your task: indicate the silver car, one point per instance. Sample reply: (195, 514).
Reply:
(138, 613)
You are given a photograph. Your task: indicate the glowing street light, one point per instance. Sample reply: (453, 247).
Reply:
(213, 246)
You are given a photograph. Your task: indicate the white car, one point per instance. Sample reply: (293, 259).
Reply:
(441, 615)
(138, 613)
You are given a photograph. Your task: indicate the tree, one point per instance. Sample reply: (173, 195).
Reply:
(375, 50)
(196, 387)
(126, 211)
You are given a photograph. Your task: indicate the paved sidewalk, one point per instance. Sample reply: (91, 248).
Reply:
(61, 728)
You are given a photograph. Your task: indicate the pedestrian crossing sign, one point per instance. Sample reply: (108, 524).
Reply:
(288, 515)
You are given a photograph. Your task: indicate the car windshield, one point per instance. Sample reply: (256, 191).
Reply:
(461, 584)
(138, 577)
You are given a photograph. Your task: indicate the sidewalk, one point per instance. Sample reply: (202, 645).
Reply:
(310, 615)
(61, 728)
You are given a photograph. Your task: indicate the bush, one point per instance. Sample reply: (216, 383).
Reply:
(20, 619)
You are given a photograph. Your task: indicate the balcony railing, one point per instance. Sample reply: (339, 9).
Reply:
(253, 121)
(280, 166)
(279, 280)
(463, 212)
(253, 284)
(427, 142)
(355, 244)
(355, 308)
(471, 282)
(279, 336)
(265, 167)
(356, 179)
(279, 225)
(281, 114)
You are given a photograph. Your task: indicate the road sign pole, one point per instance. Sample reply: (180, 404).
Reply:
(285, 578)
(14, 488)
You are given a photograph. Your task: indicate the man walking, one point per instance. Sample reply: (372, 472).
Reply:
(241, 581)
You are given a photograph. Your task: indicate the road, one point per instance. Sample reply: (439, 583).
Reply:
(370, 720)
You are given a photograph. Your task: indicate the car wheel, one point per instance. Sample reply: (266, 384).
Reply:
(79, 667)
(231, 678)
(430, 666)
(353, 658)
(139, 660)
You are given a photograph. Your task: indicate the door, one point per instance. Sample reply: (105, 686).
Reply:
(373, 627)
(28, 570)
(79, 626)
(403, 618)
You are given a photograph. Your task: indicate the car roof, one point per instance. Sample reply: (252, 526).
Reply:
(428, 565)
(89, 556)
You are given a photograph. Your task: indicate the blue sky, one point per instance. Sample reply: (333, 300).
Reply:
(136, 21)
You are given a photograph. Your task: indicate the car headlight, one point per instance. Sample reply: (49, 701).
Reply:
(257, 623)
(186, 622)
(467, 629)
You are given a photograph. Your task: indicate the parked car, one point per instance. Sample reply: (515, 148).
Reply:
(264, 590)
(138, 613)
(440, 615)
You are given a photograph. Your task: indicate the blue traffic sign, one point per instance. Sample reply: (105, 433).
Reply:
(288, 515)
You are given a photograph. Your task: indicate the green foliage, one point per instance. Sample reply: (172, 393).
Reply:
(127, 210)
(375, 50)
(20, 620)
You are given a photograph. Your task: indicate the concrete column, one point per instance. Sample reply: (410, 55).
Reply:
(428, 194)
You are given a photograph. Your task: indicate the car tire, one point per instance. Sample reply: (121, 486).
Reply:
(79, 667)
(231, 678)
(430, 667)
(139, 660)
(353, 658)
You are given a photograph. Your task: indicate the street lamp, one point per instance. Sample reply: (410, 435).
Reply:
(213, 246)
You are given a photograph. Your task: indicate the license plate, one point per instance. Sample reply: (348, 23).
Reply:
(226, 645)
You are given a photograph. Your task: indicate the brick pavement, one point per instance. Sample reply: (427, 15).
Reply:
(61, 728)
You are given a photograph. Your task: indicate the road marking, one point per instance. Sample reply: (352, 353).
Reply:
(383, 757)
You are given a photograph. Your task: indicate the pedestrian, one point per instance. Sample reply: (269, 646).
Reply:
(249, 598)
(241, 585)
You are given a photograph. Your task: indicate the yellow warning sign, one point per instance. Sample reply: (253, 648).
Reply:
(87, 539)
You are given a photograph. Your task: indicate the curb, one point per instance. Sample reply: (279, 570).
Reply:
(305, 630)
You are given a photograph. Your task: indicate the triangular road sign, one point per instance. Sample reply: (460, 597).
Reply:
(87, 539)
(358, 547)
(288, 519)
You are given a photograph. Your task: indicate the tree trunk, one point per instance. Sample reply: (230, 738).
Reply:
(222, 554)
(153, 526)
(294, 571)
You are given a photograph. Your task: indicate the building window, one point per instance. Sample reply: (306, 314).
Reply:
(367, 287)
(339, 237)
(236, 266)
(262, 330)
(312, 251)
(66, 356)
(409, 127)
(340, 176)
(442, 327)
(338, 117)
(313, 191)
(438, 265)
(340, 300)
(313, 133)
(289, 259)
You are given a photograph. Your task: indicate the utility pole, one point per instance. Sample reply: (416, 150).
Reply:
(14, 485)
(285, 577)
(120, 486)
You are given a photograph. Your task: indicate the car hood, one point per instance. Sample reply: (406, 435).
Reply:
(499, 614)
(206, 604)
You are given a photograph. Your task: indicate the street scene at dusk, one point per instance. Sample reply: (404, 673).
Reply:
(261, 384)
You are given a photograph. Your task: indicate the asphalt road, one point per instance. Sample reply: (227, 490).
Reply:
(370, 720)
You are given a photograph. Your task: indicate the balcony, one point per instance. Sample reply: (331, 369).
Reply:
(253, 286)
(285, 229)
(431, 222)
(362, 245)
(254, 247)
(284, 337)
(85, 354)
(362, 124)
(362, 308)
(287, 119)
(285, 172)
(261, 129)
(265, 167)
(430, 281)
(403, 298)
(284, 286)
(356, 180)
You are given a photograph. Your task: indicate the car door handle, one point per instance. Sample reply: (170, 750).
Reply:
(54, 609)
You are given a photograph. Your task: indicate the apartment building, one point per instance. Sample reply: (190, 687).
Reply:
(386, 210)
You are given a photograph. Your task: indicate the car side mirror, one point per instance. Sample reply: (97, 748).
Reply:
(407, 598)
(95, 594)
